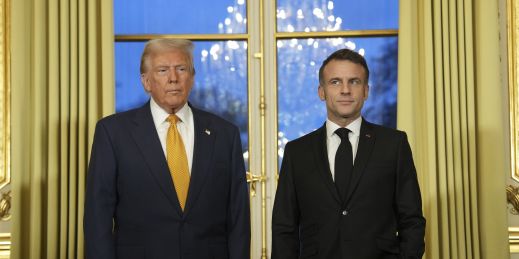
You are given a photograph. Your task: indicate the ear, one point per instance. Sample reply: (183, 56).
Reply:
(366, 92)
(321, 93)
(145, 82)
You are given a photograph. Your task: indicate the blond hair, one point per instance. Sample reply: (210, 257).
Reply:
(157, 46)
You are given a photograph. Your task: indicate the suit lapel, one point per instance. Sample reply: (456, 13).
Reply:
(366, 142)
(321, 157)
(145, 136)
(202, 156)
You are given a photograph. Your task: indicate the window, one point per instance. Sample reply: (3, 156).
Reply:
(309, 31)
(257, 65)
(221, 65)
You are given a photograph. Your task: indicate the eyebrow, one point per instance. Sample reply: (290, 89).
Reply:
(174, 65)
(335, 78)
(349, 79)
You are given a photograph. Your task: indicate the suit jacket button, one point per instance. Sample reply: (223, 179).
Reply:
(344, 212)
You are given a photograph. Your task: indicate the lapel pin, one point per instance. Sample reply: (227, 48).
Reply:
(368, 135)
(208, 132)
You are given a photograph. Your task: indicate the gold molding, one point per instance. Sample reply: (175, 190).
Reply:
(513, 73)
(5, 172)
(513, 237)
(340, 34)
(245, 36)
(512, 197)
(5, 121)
(193, 37)
(5, 245)
(513, 66)
(5, 206)
(263, 134)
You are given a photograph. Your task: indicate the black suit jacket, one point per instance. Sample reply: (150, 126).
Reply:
(131, 207)
(381, 217)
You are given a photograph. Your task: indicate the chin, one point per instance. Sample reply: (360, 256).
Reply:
(176, 105)
(174, 101)
(347, 114)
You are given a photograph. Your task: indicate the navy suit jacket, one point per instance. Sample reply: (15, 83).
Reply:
(131, 207)
(380, 217)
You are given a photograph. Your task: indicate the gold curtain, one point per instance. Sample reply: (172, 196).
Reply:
(452, 105)
(62, 83)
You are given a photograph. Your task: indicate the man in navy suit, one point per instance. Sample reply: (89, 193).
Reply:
(133, 208)
(348, 189)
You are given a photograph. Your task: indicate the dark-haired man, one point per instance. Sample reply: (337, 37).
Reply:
(348, 189)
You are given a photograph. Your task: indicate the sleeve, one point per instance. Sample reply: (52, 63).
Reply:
(100, 198)
(239, 229)
(285, 214)
(411, 223)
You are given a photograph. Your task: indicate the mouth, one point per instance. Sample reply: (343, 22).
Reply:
(174, 92)
(345, 102)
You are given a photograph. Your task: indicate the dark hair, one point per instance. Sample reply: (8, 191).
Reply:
(344, 54)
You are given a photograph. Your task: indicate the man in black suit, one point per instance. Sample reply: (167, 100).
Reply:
(349, 189)
(166, 180)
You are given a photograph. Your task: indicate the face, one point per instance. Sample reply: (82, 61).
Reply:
(168, 79)
(344, 89)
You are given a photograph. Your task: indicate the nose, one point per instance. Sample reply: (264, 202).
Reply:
(345, 89)
(172, 76)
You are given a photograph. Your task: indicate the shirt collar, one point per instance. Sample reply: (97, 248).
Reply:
(354, 127)
(160, 115)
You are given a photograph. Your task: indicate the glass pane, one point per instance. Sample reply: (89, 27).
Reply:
(300, 110)
(129, 92)
(324, 15)
(179, 17)
(220, 81)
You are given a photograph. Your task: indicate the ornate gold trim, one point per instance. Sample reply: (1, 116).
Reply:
(194, 37)
(333, 34)
(513, 237)
(5, 121)
(513, 67)
(5, 145)
(512, 197)
(263, 131)
(5, 245)
(5, 206)
(513, 27)
(245, 36)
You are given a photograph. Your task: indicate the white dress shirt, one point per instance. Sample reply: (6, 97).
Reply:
(333, 140)
(185, 126)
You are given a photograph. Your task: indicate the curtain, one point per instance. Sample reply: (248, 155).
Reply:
(451, 103)
(62, 83)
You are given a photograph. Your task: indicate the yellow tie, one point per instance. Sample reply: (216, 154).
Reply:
(177, 160)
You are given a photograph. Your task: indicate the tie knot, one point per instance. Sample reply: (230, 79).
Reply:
(342, 133)
(173, 119)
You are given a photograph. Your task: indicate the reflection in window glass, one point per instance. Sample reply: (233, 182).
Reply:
(324, 15)
(179, 17)
(220, 82)
(300, 110)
